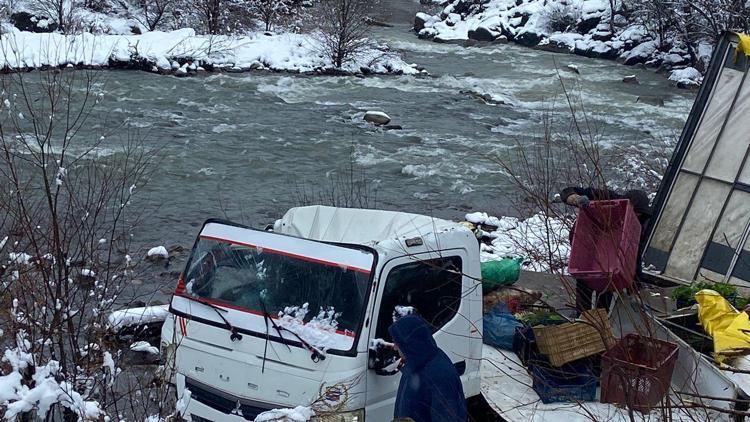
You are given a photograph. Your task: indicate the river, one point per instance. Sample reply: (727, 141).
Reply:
(240, 145)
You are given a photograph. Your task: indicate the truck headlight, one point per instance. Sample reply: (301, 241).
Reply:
(352, 416)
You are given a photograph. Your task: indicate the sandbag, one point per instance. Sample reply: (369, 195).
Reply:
(500, 273)
(499, 327)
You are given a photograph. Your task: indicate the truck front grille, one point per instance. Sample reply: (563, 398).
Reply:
(224, 402)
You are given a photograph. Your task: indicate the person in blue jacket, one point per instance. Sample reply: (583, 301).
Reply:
(430, 389)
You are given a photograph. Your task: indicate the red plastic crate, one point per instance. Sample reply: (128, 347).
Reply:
(604, 252)
(637, 372)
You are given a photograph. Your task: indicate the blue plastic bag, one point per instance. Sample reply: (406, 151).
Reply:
(500, 327)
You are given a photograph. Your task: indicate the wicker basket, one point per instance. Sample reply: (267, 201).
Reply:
(572, 341)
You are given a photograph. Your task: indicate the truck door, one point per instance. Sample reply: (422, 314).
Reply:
(433, 284)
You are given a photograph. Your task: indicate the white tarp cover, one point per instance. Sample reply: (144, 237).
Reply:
(358, 226)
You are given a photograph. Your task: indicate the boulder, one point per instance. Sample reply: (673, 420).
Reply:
(483, 34)
(464, 7)
(654, 100)
(377, 118)
(528, 39)
(419, 20)
(687, 78)
(585, 26)
(602, 36)
(488, 99)
(630, 79)
(453, 19)
(181, 72)
(554, 46)
(502, 39)
(688, 84)
(372, 22)
(572, 68)
(641, 53)
(674, 60)
(30, 23)
(596, 50)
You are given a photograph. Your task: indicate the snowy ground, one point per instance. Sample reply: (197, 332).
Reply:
(184, 51)
(541, 241)
(579, 26)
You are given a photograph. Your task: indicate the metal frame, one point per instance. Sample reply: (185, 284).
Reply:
(722, 55)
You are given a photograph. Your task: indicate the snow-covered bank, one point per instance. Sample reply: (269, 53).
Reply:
(583, 27)
(541, 240)
(183, 51)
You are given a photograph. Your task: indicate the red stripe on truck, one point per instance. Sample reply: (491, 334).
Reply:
(289, 254)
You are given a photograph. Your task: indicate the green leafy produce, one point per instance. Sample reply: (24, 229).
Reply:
(540, 317)
(685, 295)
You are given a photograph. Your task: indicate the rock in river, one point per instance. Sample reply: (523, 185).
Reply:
(654, 100)
(377, 117)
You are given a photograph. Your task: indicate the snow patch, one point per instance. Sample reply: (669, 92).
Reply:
(402, 311)
(137, 316)
(158, 252)
(298, 414)
(687, 76)
(144, 346)
(319, 332)
(281, 52)
(18, 398)
(18, 258)
(541, 240)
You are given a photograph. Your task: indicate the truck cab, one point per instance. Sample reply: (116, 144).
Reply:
(277, 319)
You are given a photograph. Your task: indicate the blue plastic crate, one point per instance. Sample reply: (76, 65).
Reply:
(573, 382)
(524, 343)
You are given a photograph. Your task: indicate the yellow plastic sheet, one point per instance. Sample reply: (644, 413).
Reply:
(743, 47)
(728, 327)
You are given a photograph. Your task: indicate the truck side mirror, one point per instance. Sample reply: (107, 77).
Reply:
(383, 360)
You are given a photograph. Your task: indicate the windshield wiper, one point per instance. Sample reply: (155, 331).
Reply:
(316, 355)
(234, 336)
(266, 318)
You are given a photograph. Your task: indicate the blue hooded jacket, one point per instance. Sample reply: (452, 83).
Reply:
(430, 389)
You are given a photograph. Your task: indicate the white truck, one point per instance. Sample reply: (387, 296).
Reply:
(252, 319)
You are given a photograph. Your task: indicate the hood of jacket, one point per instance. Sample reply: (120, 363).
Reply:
(413, 337)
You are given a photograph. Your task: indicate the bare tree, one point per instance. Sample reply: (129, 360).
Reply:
(210, 11)
(344, 28)
(60, 10)
(66, 218)
(154, 11)
(219, 16)
(689, 22)
(269, 11)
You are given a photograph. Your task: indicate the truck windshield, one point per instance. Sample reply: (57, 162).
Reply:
(258, 280)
